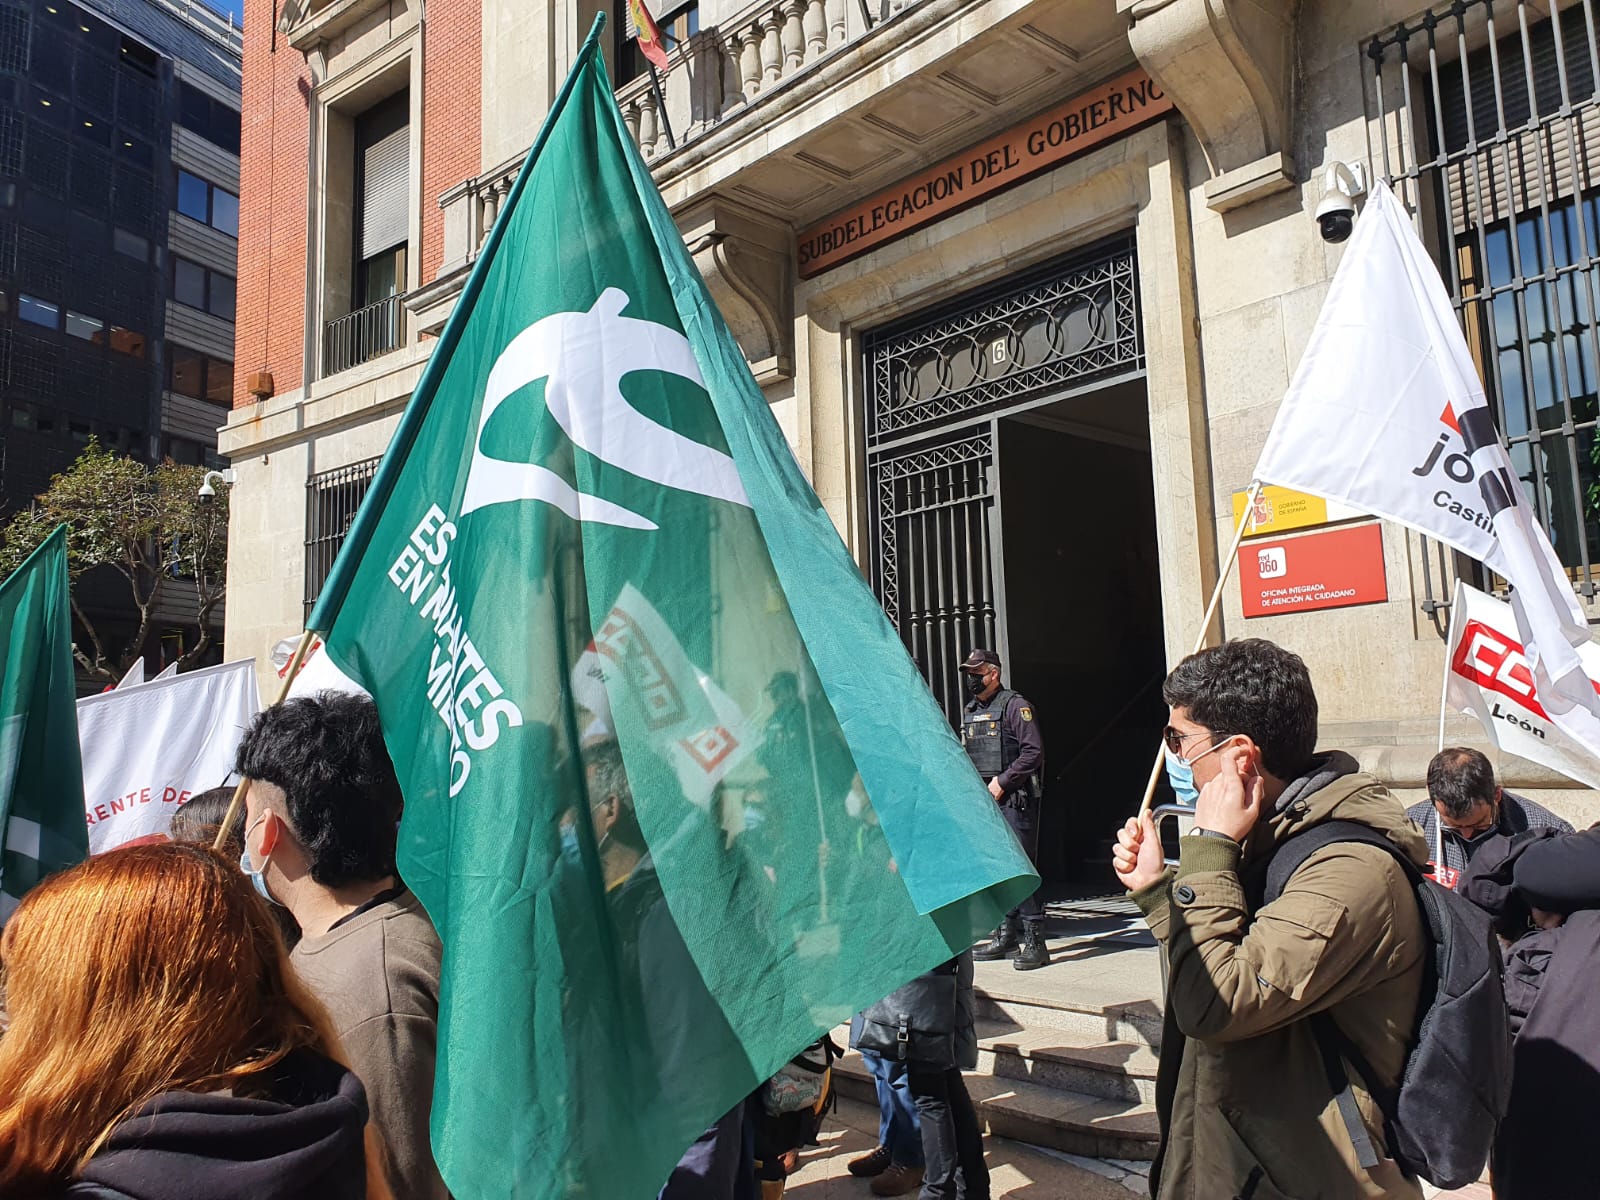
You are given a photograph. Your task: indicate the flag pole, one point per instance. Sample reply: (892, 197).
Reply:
(236, 805)
(661, 105)
(1205, 627)
(1456, 605)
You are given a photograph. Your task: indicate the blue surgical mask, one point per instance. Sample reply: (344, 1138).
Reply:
(1181, 776)
(569, 842)
(248, 866)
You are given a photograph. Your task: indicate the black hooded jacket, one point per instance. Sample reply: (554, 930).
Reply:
(303, 1142)
(1542, 1151)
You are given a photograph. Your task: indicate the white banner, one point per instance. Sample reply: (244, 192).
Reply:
(147, 749)
(1487, 676)
(134, 677)
(1386, 412)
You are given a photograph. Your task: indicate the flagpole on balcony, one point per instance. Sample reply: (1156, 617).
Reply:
(661, 106)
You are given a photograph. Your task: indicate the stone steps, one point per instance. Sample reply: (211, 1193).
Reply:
(1055, 1074)
(1123, 1071)
(1073, 1122)
(1137, 1023)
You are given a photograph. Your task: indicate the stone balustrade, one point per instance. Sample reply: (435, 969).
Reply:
(710, 77)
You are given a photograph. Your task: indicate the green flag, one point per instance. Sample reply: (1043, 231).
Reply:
(676, 797)
(41, 778)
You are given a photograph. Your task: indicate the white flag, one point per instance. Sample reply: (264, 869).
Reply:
(1488, 677)
(1386, 412)
(148, 749)
(171, 670)
(134, 677)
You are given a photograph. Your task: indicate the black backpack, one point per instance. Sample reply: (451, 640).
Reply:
(1441, 1120)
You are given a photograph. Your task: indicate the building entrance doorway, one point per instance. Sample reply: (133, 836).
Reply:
(1083, 613)
(1010, 475)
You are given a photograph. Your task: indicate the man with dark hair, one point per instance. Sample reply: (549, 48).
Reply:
(1244, 1096)
(200, 817)
(319, 838)
(1465, 808)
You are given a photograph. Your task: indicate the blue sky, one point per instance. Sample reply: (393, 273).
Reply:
(236, 7)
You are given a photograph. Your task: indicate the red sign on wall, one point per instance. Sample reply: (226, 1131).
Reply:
(1332, 569)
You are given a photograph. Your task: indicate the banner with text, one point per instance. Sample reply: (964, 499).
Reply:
(147, 749)
(1490, 679)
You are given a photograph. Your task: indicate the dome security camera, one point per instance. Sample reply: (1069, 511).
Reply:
(1336, 213)
(208, 490)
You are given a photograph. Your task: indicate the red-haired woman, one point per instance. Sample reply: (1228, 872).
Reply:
(160, 1045)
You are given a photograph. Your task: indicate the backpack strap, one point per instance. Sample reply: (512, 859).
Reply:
(1335, 1048)
(1292, 854)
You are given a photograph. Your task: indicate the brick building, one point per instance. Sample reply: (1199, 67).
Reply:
(997, 264)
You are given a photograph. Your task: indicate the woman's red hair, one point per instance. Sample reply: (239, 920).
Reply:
(146, 970)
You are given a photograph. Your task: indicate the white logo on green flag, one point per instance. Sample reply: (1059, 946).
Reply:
(584, 357)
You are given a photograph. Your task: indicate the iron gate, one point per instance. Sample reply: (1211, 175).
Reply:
(1487, 122)
(937, 386)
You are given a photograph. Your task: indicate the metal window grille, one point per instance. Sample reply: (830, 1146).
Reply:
(332, 500)
(1487, 121)
(358, 337)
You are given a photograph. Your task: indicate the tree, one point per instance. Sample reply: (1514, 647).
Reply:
(147, 524)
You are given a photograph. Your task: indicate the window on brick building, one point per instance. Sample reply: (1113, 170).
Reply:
(383, 214)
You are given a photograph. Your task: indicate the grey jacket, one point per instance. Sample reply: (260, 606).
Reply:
(1516, 816)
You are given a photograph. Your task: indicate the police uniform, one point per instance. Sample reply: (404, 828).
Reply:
(1001, 736)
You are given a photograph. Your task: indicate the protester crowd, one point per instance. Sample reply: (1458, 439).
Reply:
(261, 1021)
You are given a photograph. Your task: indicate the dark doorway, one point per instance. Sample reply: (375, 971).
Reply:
(1082, 607)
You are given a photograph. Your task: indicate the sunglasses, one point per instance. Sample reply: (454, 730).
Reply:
(1175, 741)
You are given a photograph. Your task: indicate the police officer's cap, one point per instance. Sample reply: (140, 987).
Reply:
(978, 659)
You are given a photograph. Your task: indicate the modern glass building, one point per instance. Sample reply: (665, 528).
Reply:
(119, 224)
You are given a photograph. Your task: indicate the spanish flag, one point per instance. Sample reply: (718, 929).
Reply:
(648, 34)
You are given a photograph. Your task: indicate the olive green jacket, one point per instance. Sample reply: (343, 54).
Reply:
(1246, 1107)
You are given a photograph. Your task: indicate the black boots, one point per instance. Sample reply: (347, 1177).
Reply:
(1002, 944)
(1034, 952)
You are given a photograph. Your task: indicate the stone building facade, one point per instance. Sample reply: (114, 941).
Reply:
(1023, 282)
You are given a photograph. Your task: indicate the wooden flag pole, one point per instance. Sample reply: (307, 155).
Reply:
(236, 805)
(1205, 628)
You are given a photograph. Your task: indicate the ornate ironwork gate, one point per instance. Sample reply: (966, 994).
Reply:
(937, 387)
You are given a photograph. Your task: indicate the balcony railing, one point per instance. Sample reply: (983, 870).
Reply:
(363, 335)
(711, 77)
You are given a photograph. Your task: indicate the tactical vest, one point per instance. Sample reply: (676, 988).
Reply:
(989, 744)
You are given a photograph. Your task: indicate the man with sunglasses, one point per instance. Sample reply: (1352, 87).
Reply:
(1002, 739)
(1465, 808)
(1244, 1097)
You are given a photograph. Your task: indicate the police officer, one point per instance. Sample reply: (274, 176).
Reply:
(1003, 741)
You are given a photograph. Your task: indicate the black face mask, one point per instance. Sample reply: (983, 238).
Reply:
(974, 685)
(1481, 836)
